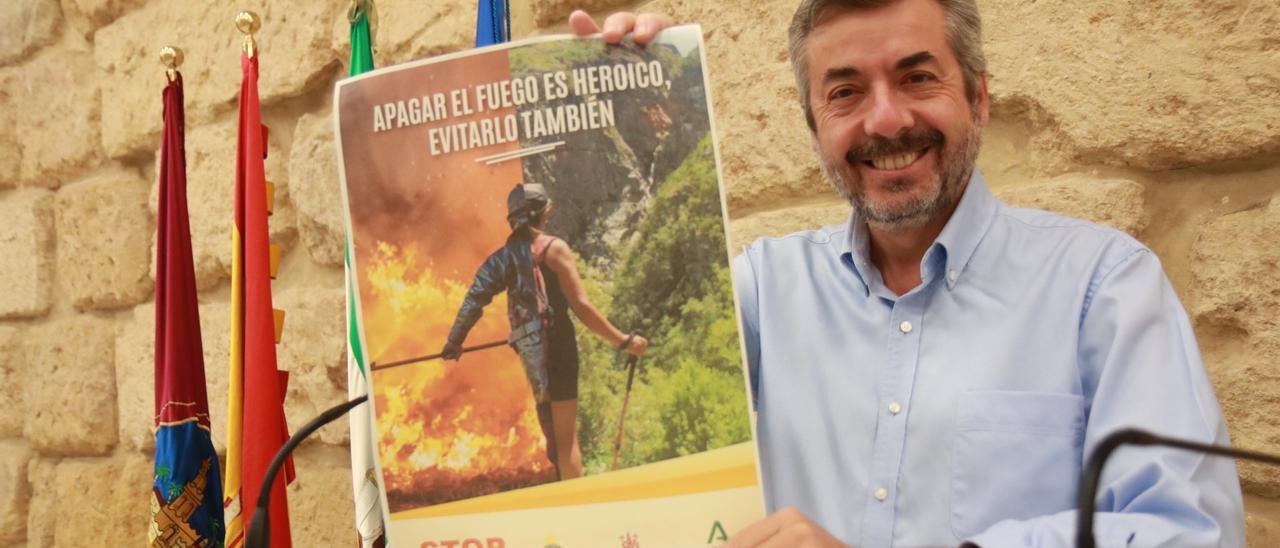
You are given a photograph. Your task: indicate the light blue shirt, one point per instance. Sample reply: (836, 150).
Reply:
(961, 409)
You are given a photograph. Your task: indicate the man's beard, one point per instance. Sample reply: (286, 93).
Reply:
(955, 164)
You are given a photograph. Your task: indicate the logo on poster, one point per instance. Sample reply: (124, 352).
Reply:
(630, 540)
(717, 533)
(491, 542)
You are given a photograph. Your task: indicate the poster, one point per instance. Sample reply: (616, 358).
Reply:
(532, 204)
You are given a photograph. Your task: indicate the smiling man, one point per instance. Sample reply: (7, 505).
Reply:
(933, 372)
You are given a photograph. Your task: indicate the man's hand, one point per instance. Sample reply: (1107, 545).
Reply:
(451, 351)
(785, 528)
(645, 26)
(637, 346)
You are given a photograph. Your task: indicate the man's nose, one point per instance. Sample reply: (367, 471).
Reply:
(888, 115)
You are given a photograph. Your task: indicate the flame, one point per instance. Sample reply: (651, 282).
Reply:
(447, 430)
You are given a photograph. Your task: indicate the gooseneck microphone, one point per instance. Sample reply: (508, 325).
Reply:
(259, 534)
(1092, 475)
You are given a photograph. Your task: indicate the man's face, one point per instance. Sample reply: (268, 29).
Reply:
(895, 132)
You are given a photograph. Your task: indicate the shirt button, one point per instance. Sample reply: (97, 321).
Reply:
(882, 494)
(953, 275)
(905, 326)
(894, 408)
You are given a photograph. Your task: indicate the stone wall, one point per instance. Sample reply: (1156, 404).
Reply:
(1162, 122)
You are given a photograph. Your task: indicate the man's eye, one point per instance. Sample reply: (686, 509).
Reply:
(919, 78)
(841, 93)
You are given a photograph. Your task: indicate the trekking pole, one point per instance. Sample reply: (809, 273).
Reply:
(617, 442)
(380, 366)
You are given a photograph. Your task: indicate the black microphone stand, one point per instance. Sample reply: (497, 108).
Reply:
(259, 534)
(1092, 475)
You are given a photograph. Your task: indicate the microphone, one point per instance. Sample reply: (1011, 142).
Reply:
(259, 534)
(1092, 475)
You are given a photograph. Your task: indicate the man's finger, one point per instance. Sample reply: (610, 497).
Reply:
(582, 23)
(648, 25)
(756, 533)
(618, 25)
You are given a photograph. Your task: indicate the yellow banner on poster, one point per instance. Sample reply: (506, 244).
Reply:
(728, 468)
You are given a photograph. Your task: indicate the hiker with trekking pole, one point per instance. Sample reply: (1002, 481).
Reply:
(538, 273)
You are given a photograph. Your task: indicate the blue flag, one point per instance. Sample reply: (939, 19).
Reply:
(493, 22)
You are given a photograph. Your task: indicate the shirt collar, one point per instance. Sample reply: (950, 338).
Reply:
(956, 244)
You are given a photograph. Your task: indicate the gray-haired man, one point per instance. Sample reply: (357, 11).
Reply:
(933, 372)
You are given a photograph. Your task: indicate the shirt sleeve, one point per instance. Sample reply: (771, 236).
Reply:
(487, 284)
(744, 282)
(1140, 367)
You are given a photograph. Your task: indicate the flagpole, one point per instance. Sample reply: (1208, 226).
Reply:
(171, 58)
(248, 23)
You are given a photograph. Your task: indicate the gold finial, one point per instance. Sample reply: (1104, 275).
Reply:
(171, 58)
(248, 23)
(370, 10)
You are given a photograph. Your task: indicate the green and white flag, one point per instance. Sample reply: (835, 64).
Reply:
(364, 477)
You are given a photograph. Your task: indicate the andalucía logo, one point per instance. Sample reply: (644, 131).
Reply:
(717, 533)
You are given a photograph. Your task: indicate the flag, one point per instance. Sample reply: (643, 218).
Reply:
(364, 477)
(255, 420)
(186, 502)
(493, 22)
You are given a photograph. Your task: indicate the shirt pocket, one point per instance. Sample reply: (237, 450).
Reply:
(1016, 456)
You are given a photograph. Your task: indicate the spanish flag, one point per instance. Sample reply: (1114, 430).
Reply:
(255, 420)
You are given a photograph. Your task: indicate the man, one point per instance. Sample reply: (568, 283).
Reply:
(933, 372)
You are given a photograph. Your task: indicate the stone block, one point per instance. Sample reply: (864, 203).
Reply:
(11, 85)
(215, 333)
(11, 382)
(313, 351)
(10, 152)
(1235, 293)
(55, 112)
(135, 375)
(104, 241)
(436, 28)
(27, 244)
(43, 506)
(71, 404)
(296, 57)
(87, 16)
(135, 380)
(1261, 522)
(780, 222)
(1119, 83)
(314, 189)
(1117, 203)
(765, 149)
(15, 492)
(320, 509)
(211, 168)
(111, 498)
(552, 12)
(28, 25)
